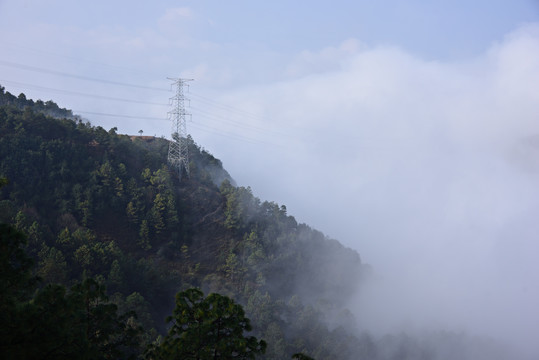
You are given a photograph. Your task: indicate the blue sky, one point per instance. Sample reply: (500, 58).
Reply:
(246, 42)
(432, 29)
(403, 128)
(435, 29)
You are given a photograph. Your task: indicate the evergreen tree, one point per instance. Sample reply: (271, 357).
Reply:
(207, 328)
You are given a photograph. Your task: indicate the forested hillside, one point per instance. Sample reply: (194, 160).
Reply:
(96, 204)
(98, 235)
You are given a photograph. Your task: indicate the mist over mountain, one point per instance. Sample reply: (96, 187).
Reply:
(427, 167)
(95, 203)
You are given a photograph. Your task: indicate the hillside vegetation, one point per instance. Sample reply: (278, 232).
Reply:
(100, 242)
(96, 204)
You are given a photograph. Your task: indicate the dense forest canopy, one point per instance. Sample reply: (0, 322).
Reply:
(97, 204)
(106, 222)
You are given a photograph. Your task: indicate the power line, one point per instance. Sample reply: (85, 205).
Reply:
(200, 98)
(226, 107)
(206, 114)
(118, 115)
(76, 93)
(80, 77)
(201, 127)
(243, 113)
(203, 99)
(233, 136)
(239, 124)
(78, 59)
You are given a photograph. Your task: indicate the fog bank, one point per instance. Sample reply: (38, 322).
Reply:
(429, 169)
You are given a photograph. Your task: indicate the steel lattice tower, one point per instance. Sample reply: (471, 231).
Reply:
(178, 155)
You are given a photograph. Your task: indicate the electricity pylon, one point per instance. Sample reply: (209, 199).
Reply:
(178, 154)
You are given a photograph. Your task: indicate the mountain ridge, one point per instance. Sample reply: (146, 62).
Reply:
(97, 203)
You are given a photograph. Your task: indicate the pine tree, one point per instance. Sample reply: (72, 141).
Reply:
(207, 328)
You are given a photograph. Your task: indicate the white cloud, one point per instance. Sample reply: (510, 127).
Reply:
(328, 59)
(174, 14)
(413, 163)
(428, 169)
(175, 21)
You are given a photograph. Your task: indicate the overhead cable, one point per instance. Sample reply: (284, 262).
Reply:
(76, 93)
(60, 73)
